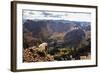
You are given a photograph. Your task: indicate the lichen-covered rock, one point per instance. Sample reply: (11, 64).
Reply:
(33, 55)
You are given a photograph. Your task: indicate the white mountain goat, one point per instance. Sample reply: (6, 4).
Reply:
(43, 47)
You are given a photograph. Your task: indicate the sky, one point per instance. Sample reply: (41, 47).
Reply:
(56, 15)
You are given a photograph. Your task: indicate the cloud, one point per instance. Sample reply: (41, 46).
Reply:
(52, 15)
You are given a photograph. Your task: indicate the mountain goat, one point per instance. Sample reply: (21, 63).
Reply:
(43, 47)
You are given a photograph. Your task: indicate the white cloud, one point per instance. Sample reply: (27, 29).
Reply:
(47, 15)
